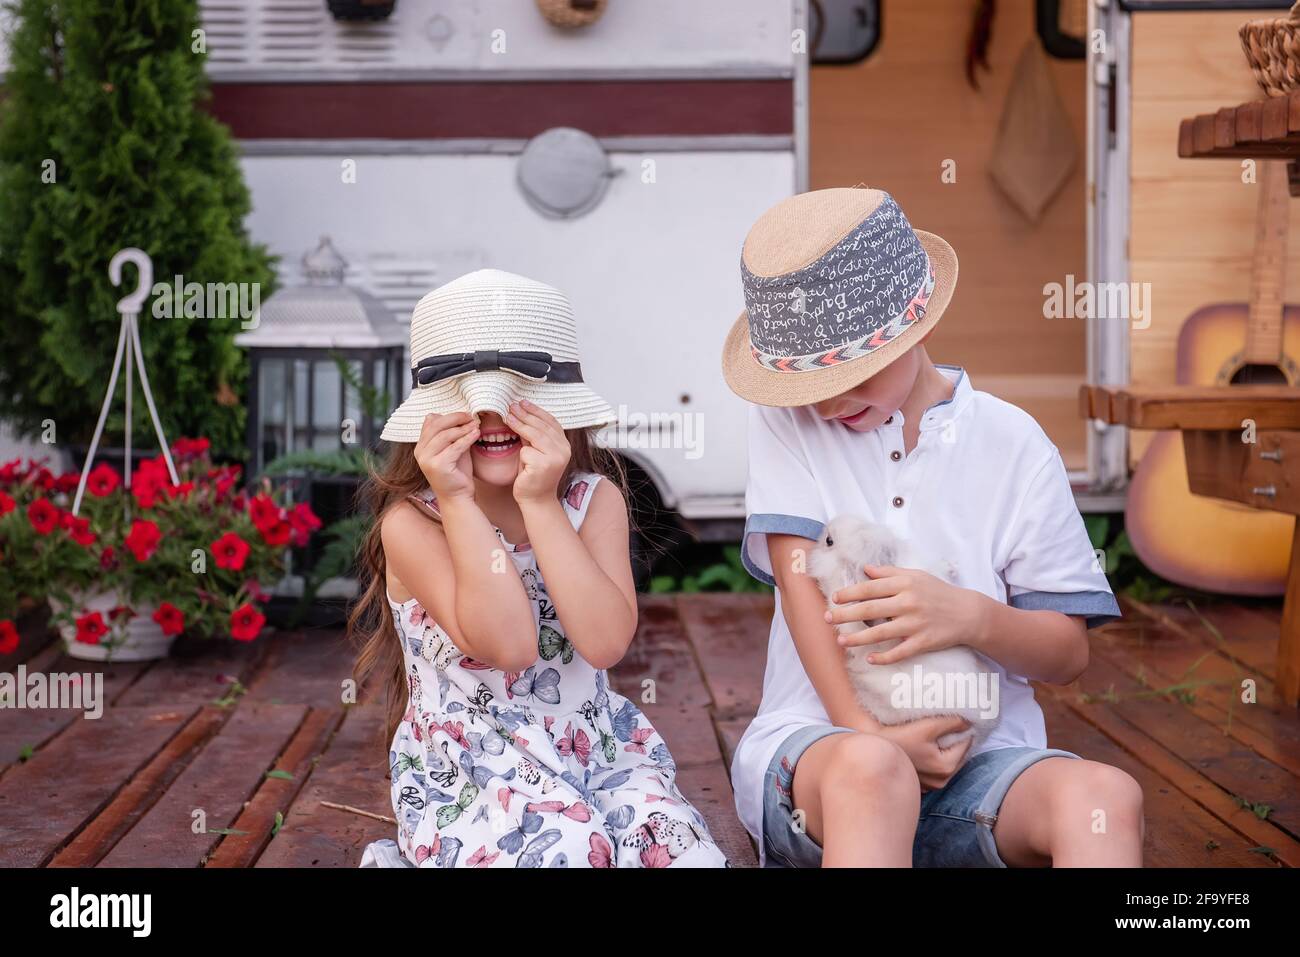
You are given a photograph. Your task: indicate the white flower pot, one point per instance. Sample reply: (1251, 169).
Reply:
(140, 639)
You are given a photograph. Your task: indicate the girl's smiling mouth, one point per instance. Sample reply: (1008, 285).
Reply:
(497, 444)
(855, 418)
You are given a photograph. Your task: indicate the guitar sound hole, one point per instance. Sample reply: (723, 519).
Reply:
(1259, 374)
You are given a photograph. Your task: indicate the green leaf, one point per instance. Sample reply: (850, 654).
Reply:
(1098, 527)
(279, 822)
(281, 775)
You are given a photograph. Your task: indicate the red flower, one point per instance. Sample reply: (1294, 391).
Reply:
(102, 480)
(10, 471)
(90, 628)
(180, 491)
(43, 516)
(246, 622)
(108, 558)
(151, 478)
(169, 618)
(67, 482)
(120, 613)
(143, 540)
(8, 637)
(276, 535)
(263, 511)
(254, 589)
(230, 551)
(303, 521)
(7, 504)
(186, 449)
(78, 529)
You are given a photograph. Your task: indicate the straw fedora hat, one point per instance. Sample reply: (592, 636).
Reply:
(486, 339)
(837, 285)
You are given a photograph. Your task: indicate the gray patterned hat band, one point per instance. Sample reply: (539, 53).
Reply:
(856, 297)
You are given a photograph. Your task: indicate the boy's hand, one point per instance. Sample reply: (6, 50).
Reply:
(544, 452)
(934, 765)
(926, 612)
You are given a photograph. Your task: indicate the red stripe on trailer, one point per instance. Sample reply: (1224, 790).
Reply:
(505, 109)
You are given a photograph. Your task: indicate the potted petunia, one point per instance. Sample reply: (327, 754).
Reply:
(137, 567)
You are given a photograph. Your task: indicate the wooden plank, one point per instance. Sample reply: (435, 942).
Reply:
(1207, 682)
(1179, 832)
(218, 782)
(729, 635)
(200, 677)
(1221, 465)
(305, 666)
(660, 653)
(1245, 634)
(1215, 770)
(36, 728)
(353, 771)
(1250, 121)
(730, 731)
(46, 800)
(1204, 407)
(1203, 134)
(255, 825)
(1174, 769)
(139, 792)
(1288, 653)
(1225, 128)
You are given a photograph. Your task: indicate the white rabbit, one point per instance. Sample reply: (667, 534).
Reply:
(893, 693)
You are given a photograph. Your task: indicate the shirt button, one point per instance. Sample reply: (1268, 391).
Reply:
(898, 502)
(895, 455)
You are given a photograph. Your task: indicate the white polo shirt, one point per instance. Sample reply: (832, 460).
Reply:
(984, 488)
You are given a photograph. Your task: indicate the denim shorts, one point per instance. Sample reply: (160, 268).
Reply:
(955, 828)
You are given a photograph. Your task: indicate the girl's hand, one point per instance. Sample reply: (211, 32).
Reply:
(442, 453)
(543, 454)
(926, 612)
(934, 765)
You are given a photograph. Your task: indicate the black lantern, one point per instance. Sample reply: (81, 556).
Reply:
(325, 366)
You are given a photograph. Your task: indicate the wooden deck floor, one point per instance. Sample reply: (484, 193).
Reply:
(1161, 699)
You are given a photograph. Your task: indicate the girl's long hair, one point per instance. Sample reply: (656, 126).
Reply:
(370, 624)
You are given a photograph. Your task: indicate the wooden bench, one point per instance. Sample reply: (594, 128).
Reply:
(1264, 473)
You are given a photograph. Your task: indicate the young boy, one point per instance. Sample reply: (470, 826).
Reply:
(852, 417)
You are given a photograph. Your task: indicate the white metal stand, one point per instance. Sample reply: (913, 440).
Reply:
(128, 348)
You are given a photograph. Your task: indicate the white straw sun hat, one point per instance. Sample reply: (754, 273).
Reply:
(484, 340)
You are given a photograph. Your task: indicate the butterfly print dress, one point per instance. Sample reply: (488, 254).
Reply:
(547, 767)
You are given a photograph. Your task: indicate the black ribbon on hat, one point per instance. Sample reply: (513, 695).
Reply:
(533, 365)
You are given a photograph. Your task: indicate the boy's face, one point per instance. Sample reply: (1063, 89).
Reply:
(867, 406)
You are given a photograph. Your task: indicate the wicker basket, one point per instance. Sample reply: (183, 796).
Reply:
(574, 13)
(1273, 51)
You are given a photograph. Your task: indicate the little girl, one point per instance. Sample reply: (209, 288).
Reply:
(500, 591)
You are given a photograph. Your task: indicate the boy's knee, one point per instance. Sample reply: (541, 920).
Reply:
(1102, 787)
(867, 761)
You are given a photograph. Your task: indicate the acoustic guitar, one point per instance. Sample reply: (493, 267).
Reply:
(1210, 543)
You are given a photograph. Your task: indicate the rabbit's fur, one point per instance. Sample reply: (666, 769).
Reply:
(846, 545)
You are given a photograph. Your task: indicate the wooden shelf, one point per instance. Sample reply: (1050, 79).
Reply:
(1192, 407)
(1261, 129)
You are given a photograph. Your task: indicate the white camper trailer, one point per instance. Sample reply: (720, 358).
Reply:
(623, 160)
